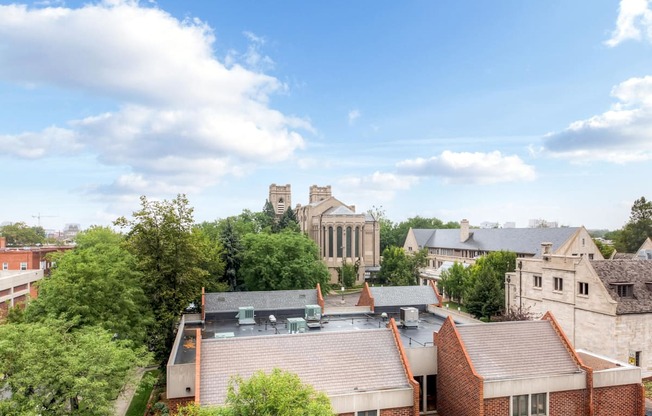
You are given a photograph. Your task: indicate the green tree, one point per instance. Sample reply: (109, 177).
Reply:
(281, 261)
(170, 255)
(96, 283)
(638, 228)
(455, 281)
(486, 296)
(401, 230)
(20, 234)
(347, 273)
(288, 221)
(50, 369)
(232, 254)
(400, 269)
(267, 218)
(605, 249)
(279, 393)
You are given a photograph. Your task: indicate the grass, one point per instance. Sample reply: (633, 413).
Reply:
(139, 401)
(648, 389)
(454, 305)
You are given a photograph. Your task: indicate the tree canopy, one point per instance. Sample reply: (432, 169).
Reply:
(400, 269)
(21, 234)
(51, 369)
(279, 393)
(281, 261)
(95, 284)
(486, 290)
(455, 281)
(638, 228)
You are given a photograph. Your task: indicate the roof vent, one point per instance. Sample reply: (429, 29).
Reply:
(313, 316)
(409, 317)
(246, 315)
(221, 299)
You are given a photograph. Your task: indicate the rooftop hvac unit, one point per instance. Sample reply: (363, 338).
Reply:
(246, 315)
(313, 313)
(296, 325)
(409, 317)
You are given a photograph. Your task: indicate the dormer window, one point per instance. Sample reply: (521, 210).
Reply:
(624, 290)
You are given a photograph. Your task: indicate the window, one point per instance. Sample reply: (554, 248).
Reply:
(559, 284)
(367, 413)
(583, 288)
(5, 266)
(530, 405)
(23, 266)
(590, 256)
(537, 281)
(625, 291)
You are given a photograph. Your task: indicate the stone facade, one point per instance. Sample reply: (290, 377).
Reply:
(341, 234)
(280, 197)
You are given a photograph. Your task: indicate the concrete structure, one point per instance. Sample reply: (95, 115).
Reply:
(464, 245)
(341, 234)
(529, 368)
(16, 287)
(604, 306)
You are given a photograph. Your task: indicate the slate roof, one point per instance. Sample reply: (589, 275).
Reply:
(518, 240)
(637, 272)
(623, 256)
(403, 295)
(341, 210)
(332, 362)
(260, 300)
(520, 349)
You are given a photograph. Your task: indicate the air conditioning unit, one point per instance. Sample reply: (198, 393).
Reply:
(409, 317)
(296, 325)
(313, 313)
(246, 315)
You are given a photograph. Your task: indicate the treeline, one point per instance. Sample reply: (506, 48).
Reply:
(637, 229)
(113, 302)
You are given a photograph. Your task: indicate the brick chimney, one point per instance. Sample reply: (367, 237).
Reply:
(3, 242)
(464, 230)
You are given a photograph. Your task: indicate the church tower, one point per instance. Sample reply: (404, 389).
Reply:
(281, 198)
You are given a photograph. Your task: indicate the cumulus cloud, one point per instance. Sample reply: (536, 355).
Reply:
(378, 186)
(465, 167)
(634, 17)
(621, 134)
(353, 116)
(182, 118)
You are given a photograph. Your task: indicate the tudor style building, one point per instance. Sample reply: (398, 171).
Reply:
(341, 234)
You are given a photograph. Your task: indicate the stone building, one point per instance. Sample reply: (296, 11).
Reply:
(342, 234)
(604, 306)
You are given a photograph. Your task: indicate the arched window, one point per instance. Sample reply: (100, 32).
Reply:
(357, 241)
(330, 241)
(339, 242)
(348, 242)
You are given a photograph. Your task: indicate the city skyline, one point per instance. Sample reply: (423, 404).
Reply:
(495, 112)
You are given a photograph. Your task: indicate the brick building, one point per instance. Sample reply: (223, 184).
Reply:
(529, 368)
(16, 287)
(27, 258)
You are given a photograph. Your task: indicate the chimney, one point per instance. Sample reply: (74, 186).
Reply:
(546, 250)
(3, 242)
(464, 230)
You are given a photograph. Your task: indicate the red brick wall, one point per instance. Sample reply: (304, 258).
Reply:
(459, 388)
(568, 403)
(365, 297)
(618, 400)
(399, 411)
(497, 406)
(320, 298)
(439, 297)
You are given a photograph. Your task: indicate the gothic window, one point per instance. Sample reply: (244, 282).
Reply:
(330, 241)
(357, 241)
(348, 242)
(339, 242)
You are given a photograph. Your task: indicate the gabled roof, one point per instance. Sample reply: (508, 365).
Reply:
(261, 300)
(341, 210)
(332, 362)
(403, 295)
(518, 240)
(520, 349)
(636, 272)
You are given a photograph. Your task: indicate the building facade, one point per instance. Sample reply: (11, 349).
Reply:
(16, 287)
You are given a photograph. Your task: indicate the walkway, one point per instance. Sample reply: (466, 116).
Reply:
(123, 401)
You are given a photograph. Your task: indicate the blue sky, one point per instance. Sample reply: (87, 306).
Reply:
(492, 111)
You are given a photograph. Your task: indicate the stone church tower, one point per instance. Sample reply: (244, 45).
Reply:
(281, 198)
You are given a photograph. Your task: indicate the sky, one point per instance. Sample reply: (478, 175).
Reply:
(500, 111)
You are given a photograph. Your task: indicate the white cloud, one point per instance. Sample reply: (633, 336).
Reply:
(353, 116)
(634, 17)
(465, 167)
(378, 186)
(183, 118)
(621, 134)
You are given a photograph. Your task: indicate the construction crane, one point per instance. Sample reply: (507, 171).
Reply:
(39, 216)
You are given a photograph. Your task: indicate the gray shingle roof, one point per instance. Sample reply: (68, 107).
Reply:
(403, 295)
(341, 210)
(332, 362)
(261, 300)
(522, 349)
(518, 240)
(637, 272)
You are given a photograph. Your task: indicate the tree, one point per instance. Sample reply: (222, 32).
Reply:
(400, 269)
(282, 261)
(232, 254)
(605, 249)
(20, 234)
(288, 221)
(455, 281)
(638, 228)
(51, 369)
(170, 256)
(487, 289)
(268, 217)
(97, 283)
(279, 393)
(347, 273)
